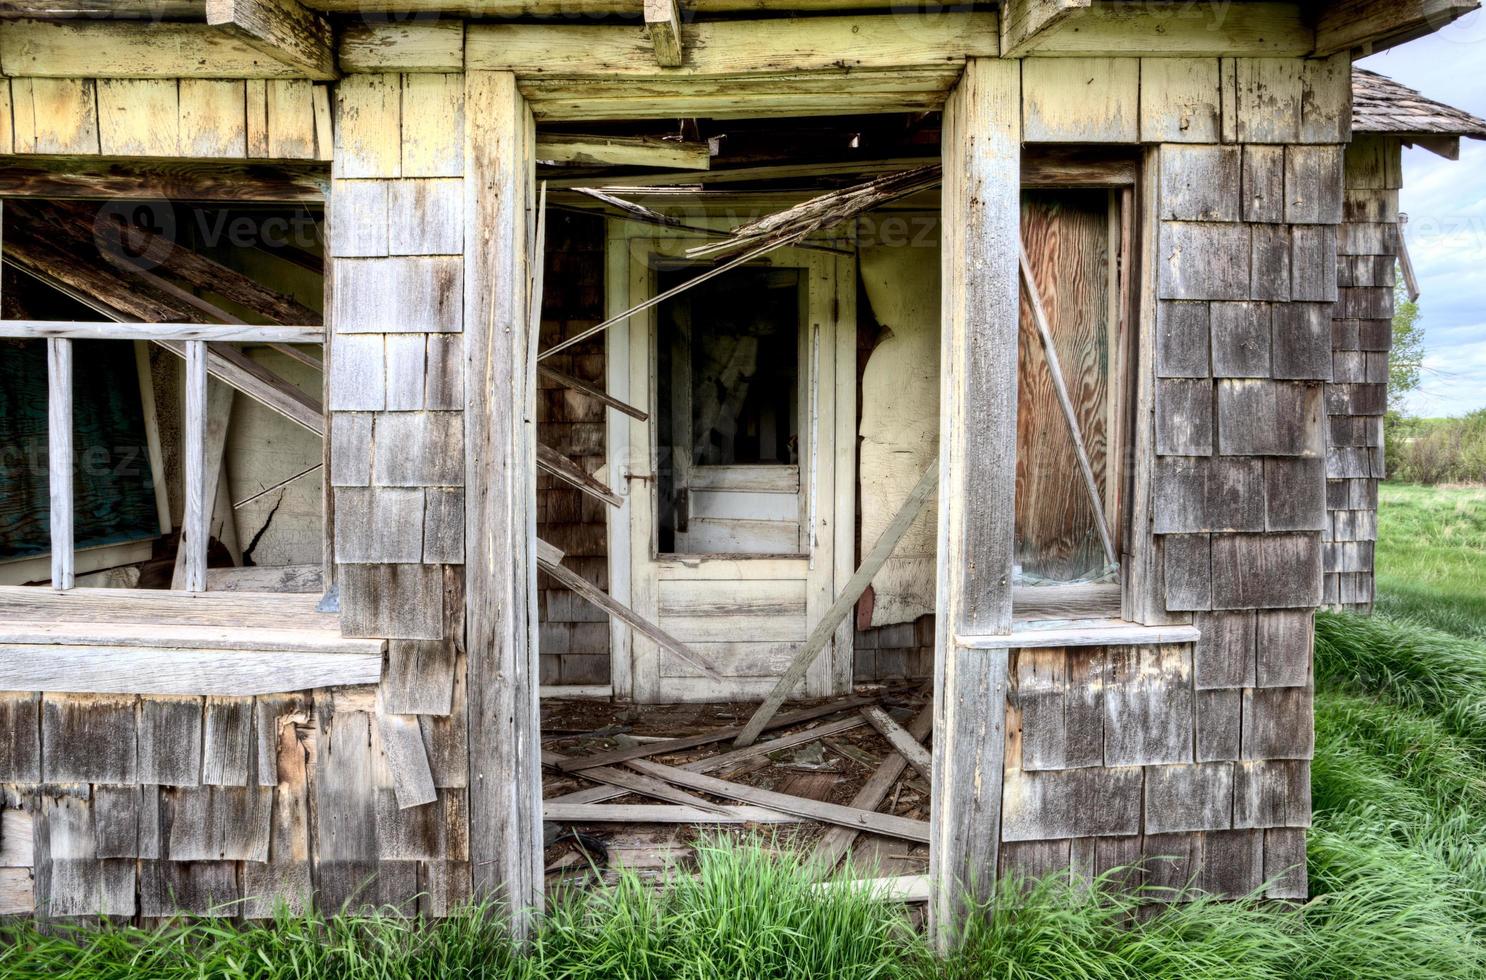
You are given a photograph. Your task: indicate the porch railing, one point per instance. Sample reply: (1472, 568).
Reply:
(192, 339)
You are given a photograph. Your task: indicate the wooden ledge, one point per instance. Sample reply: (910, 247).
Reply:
(1081, 633)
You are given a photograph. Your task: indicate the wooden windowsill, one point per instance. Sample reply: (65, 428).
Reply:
(142, 641)
(1080, 633)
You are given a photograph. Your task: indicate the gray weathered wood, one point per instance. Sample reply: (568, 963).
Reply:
(242, 333)
(1189, 797)
(420, 677)
(197, 518)
(1092, 633)
(551, 461)
(1272, 793)
(229, 673)
(633, 782)
(640, 813)
(845, 816)
(598, 597)
(901, 740)
(836, 842)
(59, 457)
(823, 630)
(1182, 332)
(87, 738)
(592, 391)
(1148, 706)
(1184, 417)
(1278, 723)
(708, 738)
(504, 723)
(169, 740)
(1223, 656)
(1266, 571)
(1241, 338)
(1091, 802)
(402, 743)
(978, 369)
(227, 742)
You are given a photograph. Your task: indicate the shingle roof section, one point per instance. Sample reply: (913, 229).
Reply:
(1381, 105)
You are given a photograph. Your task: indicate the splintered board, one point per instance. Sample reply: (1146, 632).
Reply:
(1072, 243)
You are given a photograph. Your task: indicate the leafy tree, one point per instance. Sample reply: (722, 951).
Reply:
(1407, 354)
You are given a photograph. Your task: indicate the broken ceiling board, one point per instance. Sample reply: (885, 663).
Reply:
(1261, 29)
(432, 45)
(735, 48)
(622, 151)
(1081, 100)
(281, 29)
(131, 49)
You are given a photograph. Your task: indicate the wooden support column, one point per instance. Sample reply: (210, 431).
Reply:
(500, 565)
(197, 518)
(59, 456)
(977, 460)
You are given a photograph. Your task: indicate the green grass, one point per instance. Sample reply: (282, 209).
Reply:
(1397, 857)
(1431, 557)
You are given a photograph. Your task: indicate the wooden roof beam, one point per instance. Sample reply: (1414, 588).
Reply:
(1026, 23)
(1375, 25)
(281, 29)
(663, 17)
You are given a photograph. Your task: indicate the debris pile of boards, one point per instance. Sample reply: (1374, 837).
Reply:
(845, 776)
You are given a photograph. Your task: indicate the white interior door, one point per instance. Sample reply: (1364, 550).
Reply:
(740, 485)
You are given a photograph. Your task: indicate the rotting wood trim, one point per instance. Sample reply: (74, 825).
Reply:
(898, 888)
(131, 49)
(821, 634)
(663, 18)
(281, 29)
(1376, 25)
(407, 759)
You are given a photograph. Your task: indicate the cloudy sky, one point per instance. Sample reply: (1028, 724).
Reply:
(1446, 204)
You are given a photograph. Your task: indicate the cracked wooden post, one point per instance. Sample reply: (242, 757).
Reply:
(505, 791)
(977, 461)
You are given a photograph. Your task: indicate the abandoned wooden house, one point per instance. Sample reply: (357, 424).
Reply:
(405, 410)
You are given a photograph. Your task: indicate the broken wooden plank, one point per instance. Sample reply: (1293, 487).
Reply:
(620, 611)
(707, 738)
(281, 29)
(902, 741)
(1026, 23)
(898, 888)
(713, 763)
(837, 841)
(652, 813)
(844, 816)
(592, 391)
(302, 579)
(844, 603)
(1105, 632)
(633, 782)
(569, 472)
(663, 18)
(59, 457)
(623, 151)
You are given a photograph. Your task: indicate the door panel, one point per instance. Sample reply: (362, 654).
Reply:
(732, 501)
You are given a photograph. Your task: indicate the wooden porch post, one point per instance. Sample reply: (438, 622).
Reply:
(500, 568)
(977, 460)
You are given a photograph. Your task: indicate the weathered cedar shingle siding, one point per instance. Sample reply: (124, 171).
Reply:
(1361, 334)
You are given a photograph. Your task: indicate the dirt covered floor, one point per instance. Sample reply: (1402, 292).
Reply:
(828, 758)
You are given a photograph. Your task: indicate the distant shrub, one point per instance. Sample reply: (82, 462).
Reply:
(1436, 451)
